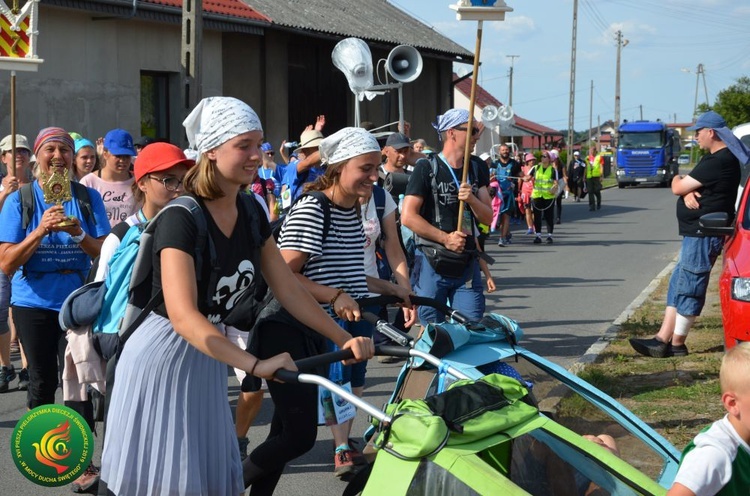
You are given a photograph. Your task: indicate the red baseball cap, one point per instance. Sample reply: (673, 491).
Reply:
(158, 157)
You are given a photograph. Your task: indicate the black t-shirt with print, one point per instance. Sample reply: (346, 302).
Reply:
(420, 184)
(719, 175)
(238, 260)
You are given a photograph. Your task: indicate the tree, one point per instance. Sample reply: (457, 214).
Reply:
(733, 103)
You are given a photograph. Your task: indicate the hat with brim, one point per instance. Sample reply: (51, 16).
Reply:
(710, 120)
(309, 139)
(21, 142)
(119, 142)
(159, 157)
(398, 141)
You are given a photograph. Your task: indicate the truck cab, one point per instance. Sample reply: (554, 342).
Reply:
(646, 154)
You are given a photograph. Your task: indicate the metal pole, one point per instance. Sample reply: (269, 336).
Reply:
(192, 50)
(697, 80)
(12, 165)
(401, 108)
(705, 88)
(591, 111)
(617, 82)
(572, 105)
(510, 90)
(470, 124)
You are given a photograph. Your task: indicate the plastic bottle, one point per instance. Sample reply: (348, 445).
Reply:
(400, 202)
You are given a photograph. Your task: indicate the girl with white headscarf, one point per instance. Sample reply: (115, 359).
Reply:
(331, 266)
(169, 427)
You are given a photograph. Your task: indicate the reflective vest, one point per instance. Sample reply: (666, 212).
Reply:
(595, 169)
(544, 183)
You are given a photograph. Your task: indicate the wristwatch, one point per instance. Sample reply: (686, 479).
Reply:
(79, 238)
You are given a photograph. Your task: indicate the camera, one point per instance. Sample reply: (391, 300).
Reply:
(291, 145)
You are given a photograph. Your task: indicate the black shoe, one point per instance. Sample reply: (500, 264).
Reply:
(599, 206)
(23, 380)
(549, 240)
(538, 240)
(651, 347)
(557, 221)
(678, 350)
(591, 208)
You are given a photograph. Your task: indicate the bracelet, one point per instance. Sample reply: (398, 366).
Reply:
(339, 292)
(252, 369)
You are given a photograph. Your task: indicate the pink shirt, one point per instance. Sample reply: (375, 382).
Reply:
(119, 201)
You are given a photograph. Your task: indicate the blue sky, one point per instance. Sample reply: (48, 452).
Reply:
(666, 39)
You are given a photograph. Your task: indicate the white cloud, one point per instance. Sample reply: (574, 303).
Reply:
(514, 26)
(631, 30)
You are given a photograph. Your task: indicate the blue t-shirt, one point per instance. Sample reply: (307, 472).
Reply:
(44, 280)
(277, 176)
(295, 183)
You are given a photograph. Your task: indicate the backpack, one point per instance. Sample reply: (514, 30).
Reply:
(81, 194)
(118, 305)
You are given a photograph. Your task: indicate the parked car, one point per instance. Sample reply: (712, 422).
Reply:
(683, 159)
(734, 282)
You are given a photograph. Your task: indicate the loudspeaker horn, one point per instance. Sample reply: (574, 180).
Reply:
(490, 116)
(505, 114)
(352, 57)
(404, 63)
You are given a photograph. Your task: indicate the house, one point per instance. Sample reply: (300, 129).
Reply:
(117, 63)
(526, 134)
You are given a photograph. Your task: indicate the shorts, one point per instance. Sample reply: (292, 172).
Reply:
(689, 281)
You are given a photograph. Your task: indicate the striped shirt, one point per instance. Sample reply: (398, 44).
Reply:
(339, 260)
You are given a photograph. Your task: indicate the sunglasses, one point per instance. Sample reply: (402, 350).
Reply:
(170, 183)
(474, 130)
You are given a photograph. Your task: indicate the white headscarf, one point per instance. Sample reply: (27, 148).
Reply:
(347, 143)
(216, 120)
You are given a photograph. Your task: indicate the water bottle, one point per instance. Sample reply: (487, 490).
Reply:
(400, 202)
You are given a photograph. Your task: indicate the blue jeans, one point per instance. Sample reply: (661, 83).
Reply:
(689, 281)
(465, 294)
(356, 373)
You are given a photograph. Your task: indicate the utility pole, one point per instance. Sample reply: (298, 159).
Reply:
(591, 110)
(510, 91)
(620, 43)
(641, 107)
(191, 67)
(572, 106)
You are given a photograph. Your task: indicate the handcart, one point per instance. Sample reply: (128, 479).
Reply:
(449, 429)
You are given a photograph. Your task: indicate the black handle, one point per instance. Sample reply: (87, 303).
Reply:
(305, 364)
(390, 350)
(440, 306)
(378, 301)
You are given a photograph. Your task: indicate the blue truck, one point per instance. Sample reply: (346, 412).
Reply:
(647, 153)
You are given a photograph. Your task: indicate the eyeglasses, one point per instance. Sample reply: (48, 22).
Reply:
(545, 156)
(474, 130)
(170, 183)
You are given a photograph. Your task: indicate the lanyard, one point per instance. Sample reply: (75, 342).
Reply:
(141, 217)
(455, 179)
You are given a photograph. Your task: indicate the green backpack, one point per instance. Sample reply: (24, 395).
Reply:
(467, 411)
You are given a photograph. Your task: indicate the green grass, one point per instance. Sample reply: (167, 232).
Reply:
(677, 396)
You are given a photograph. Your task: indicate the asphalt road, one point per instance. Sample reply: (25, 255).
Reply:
(563, 295)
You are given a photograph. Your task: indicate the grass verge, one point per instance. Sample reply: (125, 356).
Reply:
(677, 396)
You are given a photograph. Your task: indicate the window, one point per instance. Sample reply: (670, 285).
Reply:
(155, 104)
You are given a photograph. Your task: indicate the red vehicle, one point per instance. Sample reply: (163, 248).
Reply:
(734, 283)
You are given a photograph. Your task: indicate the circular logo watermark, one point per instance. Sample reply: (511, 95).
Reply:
(52, 445)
